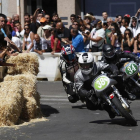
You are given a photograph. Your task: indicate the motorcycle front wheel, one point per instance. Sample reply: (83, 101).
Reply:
(131, 120)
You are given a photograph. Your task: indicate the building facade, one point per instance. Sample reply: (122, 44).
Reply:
(67, 7)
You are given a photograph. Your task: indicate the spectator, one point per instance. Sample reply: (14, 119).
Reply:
(31, 18)
(127, 42)
(47, 16)
(137, 45)
(40, 44)
(40, 30)
(88, 19)
(55, 19)
(125, 25)
(28, 39)
(32, 26)
(77, 41)
(19, 32)
(62, 34)
(137, 14)
(15, 17)
(72, 18)
(86, 41)
(105, 16)
(115, 36)
(119, 21)
(134, 26)
(97, 36)
(47, 36)
(108, 31)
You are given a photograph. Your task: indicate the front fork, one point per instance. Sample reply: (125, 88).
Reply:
(111, 96)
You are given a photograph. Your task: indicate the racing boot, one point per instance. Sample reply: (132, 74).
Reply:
(131, 96)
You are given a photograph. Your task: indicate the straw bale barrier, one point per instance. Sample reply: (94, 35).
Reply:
(31, 98)
(11, 102)
(19, 99)
(25, 63)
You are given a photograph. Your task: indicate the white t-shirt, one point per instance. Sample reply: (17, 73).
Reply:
(97, 33)
(123, 29)
(17, 41)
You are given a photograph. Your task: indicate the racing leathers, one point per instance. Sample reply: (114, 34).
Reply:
(116, 60)
(68, 71)
(83, 83)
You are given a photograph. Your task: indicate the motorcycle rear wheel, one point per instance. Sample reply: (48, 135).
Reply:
(128, 116)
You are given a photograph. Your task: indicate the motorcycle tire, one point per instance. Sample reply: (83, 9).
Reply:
(128, 116)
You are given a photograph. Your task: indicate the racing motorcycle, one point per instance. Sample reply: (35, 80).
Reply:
(105, 90)
(130, 76)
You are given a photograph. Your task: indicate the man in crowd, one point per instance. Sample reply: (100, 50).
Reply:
(20, 31)
(47, 16)
(105, 16)
(134, 26)
(97, 36)
(77, 41)
(40, 44)
(88, 20)
(73, 19)
(55, 19)
(125, 24)
(40, 30)
(62, 33)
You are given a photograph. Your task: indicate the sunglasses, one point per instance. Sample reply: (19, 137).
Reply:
(72, 18)
(26, 28)
(127, 33)
(75, 24)
(112, 29)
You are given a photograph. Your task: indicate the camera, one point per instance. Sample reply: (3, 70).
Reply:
(40, 10)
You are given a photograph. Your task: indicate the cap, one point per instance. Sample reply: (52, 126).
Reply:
(47, 27)
(43, 19)
(97, 21)
(126, 15)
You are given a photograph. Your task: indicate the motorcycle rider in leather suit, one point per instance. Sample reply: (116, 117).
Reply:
(112, 56)
(68, 66)
(84, 77)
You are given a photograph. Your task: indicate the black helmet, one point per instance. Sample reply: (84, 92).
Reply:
(108, 51)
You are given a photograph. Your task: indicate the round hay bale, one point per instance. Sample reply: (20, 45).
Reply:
(11, 102)
(25, 63)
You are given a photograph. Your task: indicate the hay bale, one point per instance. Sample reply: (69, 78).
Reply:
(25, 63)
(31, 100)
(11, 101)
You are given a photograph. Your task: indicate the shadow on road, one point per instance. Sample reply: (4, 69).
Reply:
(48, 110)
(120, 121)
(80, 106)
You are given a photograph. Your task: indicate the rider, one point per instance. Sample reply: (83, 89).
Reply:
(84, 77)
(112, 56)
(68, 67)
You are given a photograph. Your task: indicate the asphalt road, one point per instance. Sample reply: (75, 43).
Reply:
(68, 121)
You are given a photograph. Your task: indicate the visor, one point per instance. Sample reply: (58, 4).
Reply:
(69, 57)
(109, 54)
(86, 66)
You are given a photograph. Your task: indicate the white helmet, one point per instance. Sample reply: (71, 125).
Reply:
(86, 62)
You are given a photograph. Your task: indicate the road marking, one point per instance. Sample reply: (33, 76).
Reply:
(54, 99)
(50, 96)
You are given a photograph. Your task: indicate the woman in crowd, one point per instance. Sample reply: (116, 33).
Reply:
(28, 39)
(137, 46)
(47, 35)
(115, 36)
(127, 42)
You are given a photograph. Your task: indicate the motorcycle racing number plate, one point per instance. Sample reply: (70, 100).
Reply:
(131, 68)
(101, 83)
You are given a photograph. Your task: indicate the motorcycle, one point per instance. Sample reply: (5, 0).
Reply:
(131, 81)
(105, 90)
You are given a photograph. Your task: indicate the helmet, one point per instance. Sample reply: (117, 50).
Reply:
(86, 62)
(68, 53)
(108, 51)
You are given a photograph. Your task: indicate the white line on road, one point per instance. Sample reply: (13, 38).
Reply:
(50, 96)
(54, 99)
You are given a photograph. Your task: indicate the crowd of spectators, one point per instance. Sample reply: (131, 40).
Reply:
(42, 32)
